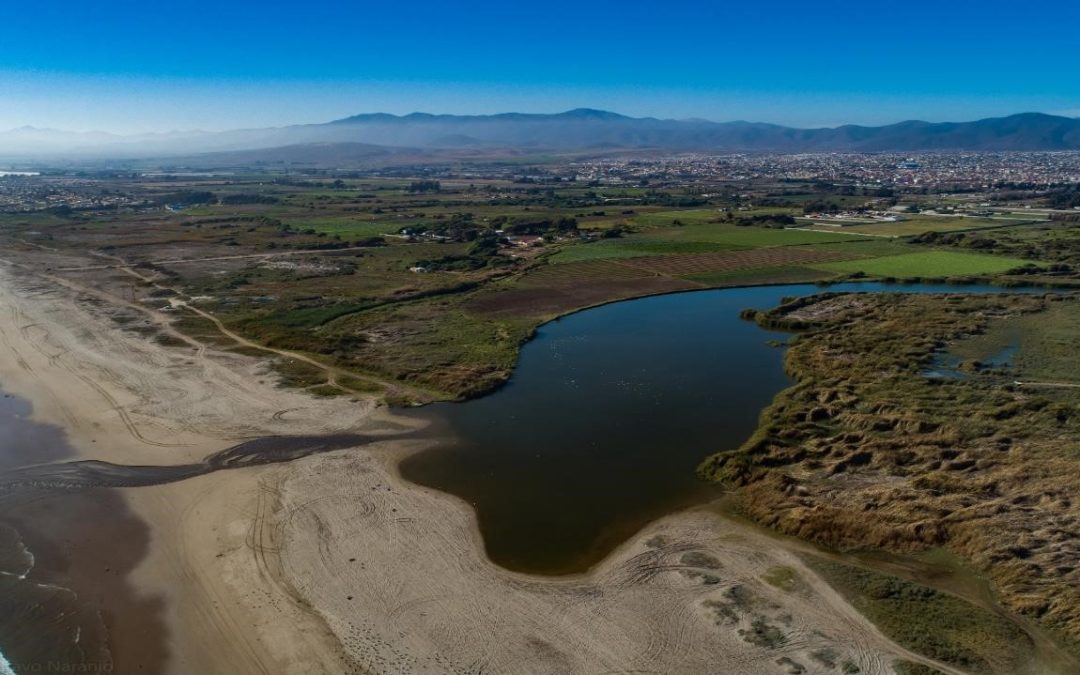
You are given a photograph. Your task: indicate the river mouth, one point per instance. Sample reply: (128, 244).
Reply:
(606, 418)
(68, 542)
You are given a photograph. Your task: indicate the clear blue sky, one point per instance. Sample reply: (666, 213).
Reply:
(138, 66)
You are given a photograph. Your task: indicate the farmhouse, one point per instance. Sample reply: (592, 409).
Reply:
(526, 240)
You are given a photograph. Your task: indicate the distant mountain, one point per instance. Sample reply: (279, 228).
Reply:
(580, 130)
(309, 154)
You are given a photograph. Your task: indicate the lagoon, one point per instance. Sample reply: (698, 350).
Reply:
(607, 416)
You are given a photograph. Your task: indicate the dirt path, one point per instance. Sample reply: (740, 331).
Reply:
(184, 261)
(334, 564)
(128, 400)
(332, 373)
(1066, 385)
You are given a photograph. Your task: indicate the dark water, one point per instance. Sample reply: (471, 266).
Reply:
(947, 366)
(96, 474)
(606, 418)
(599, 432)
(68, 542)
(44, 623)
(1003, 358)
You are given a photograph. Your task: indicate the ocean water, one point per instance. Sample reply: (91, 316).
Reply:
(43, 624)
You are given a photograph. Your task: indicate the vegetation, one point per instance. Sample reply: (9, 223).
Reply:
(325, 265)
(419, 284)
(917, 225)
(424, 186)
(930, 622)
(1030, 348)
(634, 247)
(1054, 243)
(904, 667)
(784, 578)
(1066, 198)
(976, 464)
(934, 264)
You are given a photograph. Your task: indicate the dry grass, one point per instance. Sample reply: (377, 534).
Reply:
(864, 451)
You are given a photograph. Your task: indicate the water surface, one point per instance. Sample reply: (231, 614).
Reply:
(606, 418)
(65, 605)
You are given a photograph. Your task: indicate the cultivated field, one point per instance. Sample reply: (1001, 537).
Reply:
(314, 291)
(928, 264)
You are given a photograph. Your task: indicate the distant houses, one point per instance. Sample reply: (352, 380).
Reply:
(525, 240)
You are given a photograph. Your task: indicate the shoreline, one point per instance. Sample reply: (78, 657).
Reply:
(958, 283)
(453, 605)
(67, 583)
(257, 570)
(122, 399)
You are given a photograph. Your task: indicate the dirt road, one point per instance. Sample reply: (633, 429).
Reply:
(333, 564)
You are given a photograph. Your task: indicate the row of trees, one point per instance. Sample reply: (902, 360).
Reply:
(422, 186)
(1068, 198)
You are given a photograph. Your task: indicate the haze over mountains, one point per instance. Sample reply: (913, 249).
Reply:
(386, 136)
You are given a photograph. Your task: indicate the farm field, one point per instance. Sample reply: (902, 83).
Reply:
(916, 225)
(695, 239)
(727, 261)
(422, 286)
(926, 264)
(319, 265)
(686, 217)
(747, 237)
(780, 274)
(633, 247)
(349, 227)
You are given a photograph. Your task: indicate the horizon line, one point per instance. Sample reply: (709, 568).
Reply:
(1069, 114)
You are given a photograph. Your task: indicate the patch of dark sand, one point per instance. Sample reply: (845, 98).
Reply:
(95, 474)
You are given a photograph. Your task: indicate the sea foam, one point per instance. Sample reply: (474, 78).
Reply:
(5, 667)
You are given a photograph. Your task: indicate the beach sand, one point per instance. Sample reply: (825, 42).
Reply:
(334, 564)
(122, 398)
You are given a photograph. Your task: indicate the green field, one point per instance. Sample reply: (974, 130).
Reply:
(630, 248)
(917, 225)
(928, 264)
(345, 227)
(667, 218)
(783, 274)
(748, 237)
(696, 239)
(698, 216)
(928, 621)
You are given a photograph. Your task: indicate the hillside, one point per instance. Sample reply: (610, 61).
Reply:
(575, 130)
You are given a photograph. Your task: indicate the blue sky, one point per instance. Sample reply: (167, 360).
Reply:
(126, 66)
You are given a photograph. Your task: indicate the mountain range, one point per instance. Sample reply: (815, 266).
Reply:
(379, 135)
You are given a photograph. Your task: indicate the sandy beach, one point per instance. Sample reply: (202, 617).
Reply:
(334, 564)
